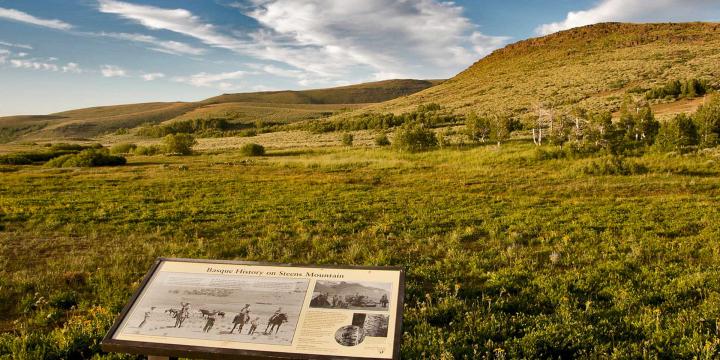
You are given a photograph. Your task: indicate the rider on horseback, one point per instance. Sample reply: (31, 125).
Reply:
(241, 318)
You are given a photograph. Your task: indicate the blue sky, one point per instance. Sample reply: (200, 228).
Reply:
(64, 54)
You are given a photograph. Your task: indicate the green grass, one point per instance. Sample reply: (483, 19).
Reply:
(505, 255)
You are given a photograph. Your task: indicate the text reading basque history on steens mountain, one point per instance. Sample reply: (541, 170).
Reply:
(242, 271)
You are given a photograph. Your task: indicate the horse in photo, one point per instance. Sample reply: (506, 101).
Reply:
(275, 321)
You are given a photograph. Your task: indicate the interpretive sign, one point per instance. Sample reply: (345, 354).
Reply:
(249, 310)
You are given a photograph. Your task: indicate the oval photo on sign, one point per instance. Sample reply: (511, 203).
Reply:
(350, 335)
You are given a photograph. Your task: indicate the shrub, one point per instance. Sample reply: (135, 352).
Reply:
(252, 150)
(428, 107)
(28, 158)
(678, 134)
(500, 129)
(148, 150)
(347, 139)
(637, 125)
(14, 159)
(429, 115)
(477, 128)
(414, 137)
(123, 148)
(201, 127)
(679, 89)
(549, 154)
(707, 119)
(247, 133)
(87, 158)
(382, 140)
(180, 144)
(614, 165)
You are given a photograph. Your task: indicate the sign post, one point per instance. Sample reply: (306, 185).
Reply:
(250, 310)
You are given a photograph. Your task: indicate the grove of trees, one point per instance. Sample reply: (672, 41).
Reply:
(581, 132)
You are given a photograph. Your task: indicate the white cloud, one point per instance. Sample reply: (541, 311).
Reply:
(32, 64)
(219, 81)
(637, 11)
(152, 76)
(112, 71)
(278, 71)
(166, 46)
(397, 36)
(22, 46)
(329, 39)
(72, 67)
(20, 16)
(176, 20)
(20, 61)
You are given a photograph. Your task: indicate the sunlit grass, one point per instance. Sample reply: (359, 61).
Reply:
(502, 251)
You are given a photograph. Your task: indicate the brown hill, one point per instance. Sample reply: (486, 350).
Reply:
(246, 107)
(372, 92)
(593, 67)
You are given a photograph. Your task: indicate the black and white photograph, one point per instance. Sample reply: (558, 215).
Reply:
(351, 295)
(350, 335)
(210, 307)
(375, 325)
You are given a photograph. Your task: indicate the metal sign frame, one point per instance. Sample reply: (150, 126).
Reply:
(110, 344)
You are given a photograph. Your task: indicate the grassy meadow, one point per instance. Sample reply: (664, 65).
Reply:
(606, 248)
(507, 255)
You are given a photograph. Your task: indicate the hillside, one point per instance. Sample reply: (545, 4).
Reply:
(248, 112)
(372, 92)
(279, 106)
(592, 67)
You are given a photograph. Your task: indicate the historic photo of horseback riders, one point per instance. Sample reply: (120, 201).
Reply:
(249, 309)
(351, 295)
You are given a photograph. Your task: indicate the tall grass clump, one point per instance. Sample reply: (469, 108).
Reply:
(382, 140)
(123, 148)
(148, 150)
(252, 150)
(87, 158)
(347, 139)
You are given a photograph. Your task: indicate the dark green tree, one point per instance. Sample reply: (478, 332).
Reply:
(414, 137)
(707, 119)
(500, 128)
(678, 134)
(477, 128)
(180, 144)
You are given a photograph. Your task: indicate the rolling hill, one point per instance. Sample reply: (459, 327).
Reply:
(277, 106)
(372, 92)
(592, 67)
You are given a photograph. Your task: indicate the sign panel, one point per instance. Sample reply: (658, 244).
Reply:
(225, 309)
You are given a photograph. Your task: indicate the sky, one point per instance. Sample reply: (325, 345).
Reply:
(66, 54)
